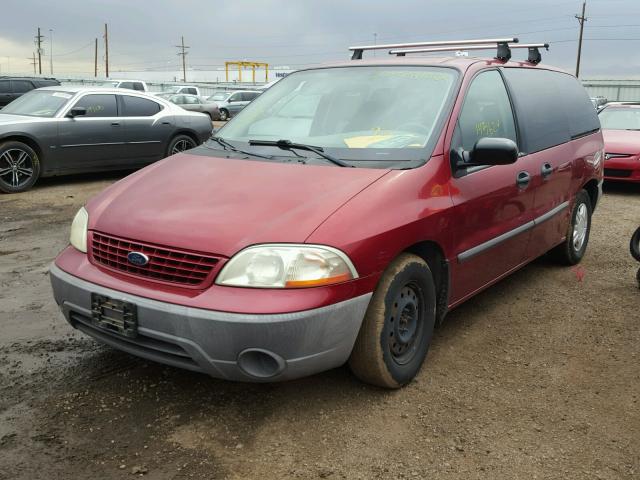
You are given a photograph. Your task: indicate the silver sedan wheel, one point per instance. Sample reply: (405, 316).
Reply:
(580, 227)
(16, 167)
(182, 145)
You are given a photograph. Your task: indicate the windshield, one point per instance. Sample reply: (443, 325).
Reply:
(222, 96)
(38, 103)
(620, 118)
(373, 114)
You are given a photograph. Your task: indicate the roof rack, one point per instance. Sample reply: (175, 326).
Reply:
(534, 50)
(503, 45)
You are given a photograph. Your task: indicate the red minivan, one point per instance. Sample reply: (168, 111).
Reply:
(338, 218)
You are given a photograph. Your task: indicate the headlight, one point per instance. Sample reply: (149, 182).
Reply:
(287, 266)
(78, 237)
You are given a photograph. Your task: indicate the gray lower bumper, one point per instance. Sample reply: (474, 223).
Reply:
(224, 345)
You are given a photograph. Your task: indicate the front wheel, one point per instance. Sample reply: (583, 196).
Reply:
(224, 115)
(19, 167)
(571, 251)
(180, 143)
(398, 326)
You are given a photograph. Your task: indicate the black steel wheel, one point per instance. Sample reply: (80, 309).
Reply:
(180, 143)
(19, 167)
(397, 329)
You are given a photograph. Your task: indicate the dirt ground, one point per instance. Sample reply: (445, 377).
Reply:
(537, 377)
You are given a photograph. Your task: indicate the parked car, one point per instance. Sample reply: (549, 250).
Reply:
(598, 102)
(186, 89)
(621, 130)
(137, 85)
(230, 103)
(14, 87)
(338, 218)
(60, 130)
(194, 103)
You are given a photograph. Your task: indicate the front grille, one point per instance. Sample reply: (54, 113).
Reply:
(166, 265)
(615, 172)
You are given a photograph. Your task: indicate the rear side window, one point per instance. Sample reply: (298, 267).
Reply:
(128, 85)
(248, 96)
(190, 91)
(21, 86)
(552, 107)
(487, 111)
(138, 86)
(5, 86)
(99, 105)
(139, 107)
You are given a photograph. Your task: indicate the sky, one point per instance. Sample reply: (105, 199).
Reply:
(296, 33)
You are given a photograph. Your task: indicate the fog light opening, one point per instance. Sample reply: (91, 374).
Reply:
(260, 363)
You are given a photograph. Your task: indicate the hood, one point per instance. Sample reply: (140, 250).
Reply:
(10, 119)
(220, 206)
(622, 141)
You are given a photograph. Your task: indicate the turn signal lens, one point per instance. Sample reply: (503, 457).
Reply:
(287, 266)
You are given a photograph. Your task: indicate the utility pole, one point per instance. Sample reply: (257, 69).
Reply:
(33, 62)
(51, 51)
(581, 19)
(39, 44)
(95, 59)
(183, 52)
(106, 51)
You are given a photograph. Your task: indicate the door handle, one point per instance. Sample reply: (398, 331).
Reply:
(523, 179)
(166, 123)
(115, 124)
(547, 170)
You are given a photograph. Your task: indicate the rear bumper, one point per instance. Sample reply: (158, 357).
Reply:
(242, 347)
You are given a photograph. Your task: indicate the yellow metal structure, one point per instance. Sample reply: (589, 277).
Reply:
(242, 65)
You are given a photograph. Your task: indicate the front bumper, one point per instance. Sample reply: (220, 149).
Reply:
(622, 169)
(242, 347)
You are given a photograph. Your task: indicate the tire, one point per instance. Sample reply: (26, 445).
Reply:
(224, 115)
(397, 329)
(571, 251)
(19, 167)
(634, 245)
(180, 143)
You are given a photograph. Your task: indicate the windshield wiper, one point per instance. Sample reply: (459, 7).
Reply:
(288, 145)
(228, 146)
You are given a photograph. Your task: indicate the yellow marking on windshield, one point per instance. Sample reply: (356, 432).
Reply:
(363, 141)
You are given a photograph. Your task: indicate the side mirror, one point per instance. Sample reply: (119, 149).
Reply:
(77, 112)
(490, 151)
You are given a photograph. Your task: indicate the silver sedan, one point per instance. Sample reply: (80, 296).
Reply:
(193, 103)
(61, 130)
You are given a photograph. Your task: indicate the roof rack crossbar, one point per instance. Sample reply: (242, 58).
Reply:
(505, 54)
(358, 50)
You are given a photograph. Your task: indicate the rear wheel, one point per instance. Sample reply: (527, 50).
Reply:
(19, 167)
(180, 143)
(224, 115)
(571, 251)
(398, 326)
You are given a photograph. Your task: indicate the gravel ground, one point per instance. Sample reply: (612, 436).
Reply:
(535, 378)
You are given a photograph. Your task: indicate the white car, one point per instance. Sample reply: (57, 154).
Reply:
(183, 89)
(137, 85)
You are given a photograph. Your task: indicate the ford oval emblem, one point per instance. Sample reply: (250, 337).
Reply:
(138, 259)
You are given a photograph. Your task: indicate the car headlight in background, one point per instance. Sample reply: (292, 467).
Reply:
(287, 266)
(78, 236)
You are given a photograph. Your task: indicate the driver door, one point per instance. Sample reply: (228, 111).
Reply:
(92, 140)
(493, 205)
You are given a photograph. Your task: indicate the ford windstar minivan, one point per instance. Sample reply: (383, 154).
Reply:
(339, 217)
